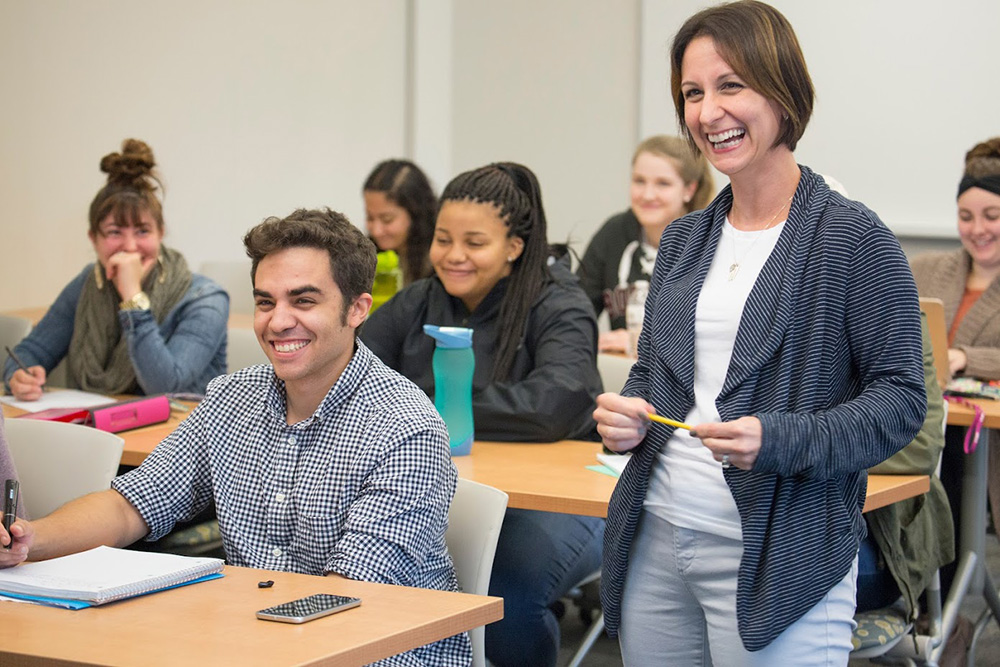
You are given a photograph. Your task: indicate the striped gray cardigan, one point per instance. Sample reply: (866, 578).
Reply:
(827, 356)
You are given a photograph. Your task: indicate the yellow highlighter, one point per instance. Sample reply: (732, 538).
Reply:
(668, 422)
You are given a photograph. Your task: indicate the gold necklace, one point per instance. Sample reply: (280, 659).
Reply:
(734, 268)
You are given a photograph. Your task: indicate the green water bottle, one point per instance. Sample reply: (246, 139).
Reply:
(388, 278)
(454, 364)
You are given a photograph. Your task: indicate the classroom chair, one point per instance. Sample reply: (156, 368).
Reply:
(12, 330)
(234, 277)
(243, 350)
(614, 370)
(596, 626)
(59, 462)
(474, 522)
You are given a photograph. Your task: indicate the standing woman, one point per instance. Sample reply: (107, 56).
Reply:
(400, 207)
(783, 323)
(137, 321)
(968, 281)
(535, 344)
(669, 179)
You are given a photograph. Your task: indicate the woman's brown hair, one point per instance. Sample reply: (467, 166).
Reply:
(131, 188)
(757, 41)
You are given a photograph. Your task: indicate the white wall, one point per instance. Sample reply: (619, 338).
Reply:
(253, 108)
(552, 85)
(903, 91)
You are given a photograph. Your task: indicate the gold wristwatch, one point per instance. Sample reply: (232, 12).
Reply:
(139, 302)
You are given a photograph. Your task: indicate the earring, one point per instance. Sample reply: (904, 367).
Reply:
(510, 260)
(98, 278)
(163, 270)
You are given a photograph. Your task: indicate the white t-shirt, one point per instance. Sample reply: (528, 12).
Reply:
(687, 487)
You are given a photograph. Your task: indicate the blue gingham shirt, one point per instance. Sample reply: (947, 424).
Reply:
(360, 488)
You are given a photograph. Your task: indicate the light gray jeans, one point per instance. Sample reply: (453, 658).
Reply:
(679, 606)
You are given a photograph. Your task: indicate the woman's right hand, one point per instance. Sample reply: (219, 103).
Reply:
(20, 543)
(621, 421)
(28, 386)
(127, 271)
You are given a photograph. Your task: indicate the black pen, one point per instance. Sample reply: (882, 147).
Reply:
(10, 488)
(17, 360)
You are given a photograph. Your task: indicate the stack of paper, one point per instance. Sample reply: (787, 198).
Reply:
(103, 575)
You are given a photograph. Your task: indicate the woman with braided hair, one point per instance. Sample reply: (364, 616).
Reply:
(535, 344)
(136, 321)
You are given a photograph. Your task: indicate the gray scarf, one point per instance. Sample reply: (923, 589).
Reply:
(98, 356)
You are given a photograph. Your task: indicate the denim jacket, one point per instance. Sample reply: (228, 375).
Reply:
(181, 354)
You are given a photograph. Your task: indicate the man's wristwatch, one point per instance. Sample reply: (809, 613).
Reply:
(139, 302)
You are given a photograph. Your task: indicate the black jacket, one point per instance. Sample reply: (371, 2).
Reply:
(553, 382)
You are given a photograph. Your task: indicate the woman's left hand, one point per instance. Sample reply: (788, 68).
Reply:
(738, 441)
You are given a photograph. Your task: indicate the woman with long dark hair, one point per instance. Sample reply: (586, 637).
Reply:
(400, 207)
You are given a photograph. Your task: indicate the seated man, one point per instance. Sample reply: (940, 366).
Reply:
(324, 462)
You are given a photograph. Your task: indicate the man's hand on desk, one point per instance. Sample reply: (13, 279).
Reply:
(24, 535)
(28, 386)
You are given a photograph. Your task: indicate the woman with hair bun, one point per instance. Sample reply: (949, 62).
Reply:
(669, 179)
(136, 321)
(967, 280)
(400, 207)
(535, 344)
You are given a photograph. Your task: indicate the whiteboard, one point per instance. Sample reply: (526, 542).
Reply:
(903, 90)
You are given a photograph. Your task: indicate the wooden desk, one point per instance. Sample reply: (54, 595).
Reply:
(213, 623)
(553, 477)
(138, 442)
(888, 489)
(542, 476)
(550, 477)
(972, 575)
(961, 415)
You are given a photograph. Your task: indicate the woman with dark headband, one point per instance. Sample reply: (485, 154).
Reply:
(967, 280)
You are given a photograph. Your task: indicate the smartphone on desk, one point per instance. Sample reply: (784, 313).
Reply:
(308, 608)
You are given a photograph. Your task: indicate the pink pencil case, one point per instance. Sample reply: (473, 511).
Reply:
(131, 414)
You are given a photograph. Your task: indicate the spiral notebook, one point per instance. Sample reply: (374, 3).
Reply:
(103, 575)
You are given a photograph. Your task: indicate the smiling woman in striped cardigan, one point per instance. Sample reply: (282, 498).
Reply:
(783, 323)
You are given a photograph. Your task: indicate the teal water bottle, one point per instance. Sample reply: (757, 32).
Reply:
(453, 365)
(387, 278)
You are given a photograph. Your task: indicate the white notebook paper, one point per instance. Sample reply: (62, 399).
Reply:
(105, 574)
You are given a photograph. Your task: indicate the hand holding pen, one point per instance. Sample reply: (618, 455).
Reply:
(16, 535)
(26, 383)
(10, 494)
(622, 421)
